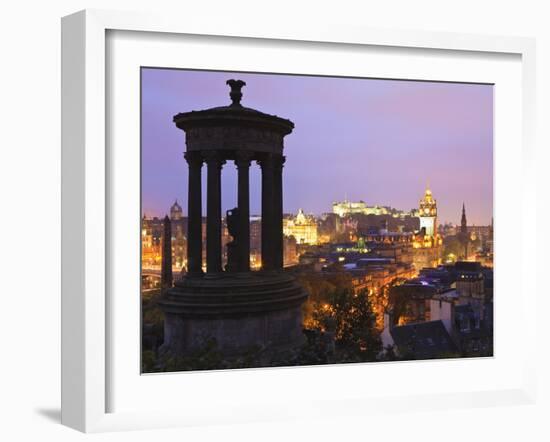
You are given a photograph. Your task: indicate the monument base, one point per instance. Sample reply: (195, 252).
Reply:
(240, 312)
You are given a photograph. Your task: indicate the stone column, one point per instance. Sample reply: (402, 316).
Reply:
(242, 161)
(214, 162)
(194, 214)
(278, 254)
(268, 248)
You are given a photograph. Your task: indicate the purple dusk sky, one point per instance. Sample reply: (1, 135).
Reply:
(381, 141)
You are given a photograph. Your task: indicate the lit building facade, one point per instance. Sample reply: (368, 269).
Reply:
(290, 252)
(151, 234)
(151, 240)
(255, 242)
(346, 208)
(303, 228)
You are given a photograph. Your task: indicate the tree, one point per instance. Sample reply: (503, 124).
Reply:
(351, 318)
(320, 287)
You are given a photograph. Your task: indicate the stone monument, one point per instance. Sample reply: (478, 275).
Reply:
(237, 307)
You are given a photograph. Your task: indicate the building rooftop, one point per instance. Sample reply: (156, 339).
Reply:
(424, 340)
(468, 266)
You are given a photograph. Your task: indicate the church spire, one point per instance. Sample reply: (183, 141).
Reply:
(463, 222)
(464, 232)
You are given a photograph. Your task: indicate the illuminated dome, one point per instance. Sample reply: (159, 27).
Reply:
(301, 217)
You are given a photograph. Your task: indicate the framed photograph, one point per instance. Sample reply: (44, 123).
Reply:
(291, 224)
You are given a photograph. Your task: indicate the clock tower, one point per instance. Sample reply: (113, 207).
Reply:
(428, 213)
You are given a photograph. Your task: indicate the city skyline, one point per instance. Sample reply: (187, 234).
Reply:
(380, 141)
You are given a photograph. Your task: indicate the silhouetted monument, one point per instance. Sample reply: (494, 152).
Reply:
(237, 307)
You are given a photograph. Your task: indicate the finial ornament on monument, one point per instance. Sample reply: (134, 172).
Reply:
(235, 94)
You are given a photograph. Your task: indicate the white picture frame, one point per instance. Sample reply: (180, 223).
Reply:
(86, 206)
